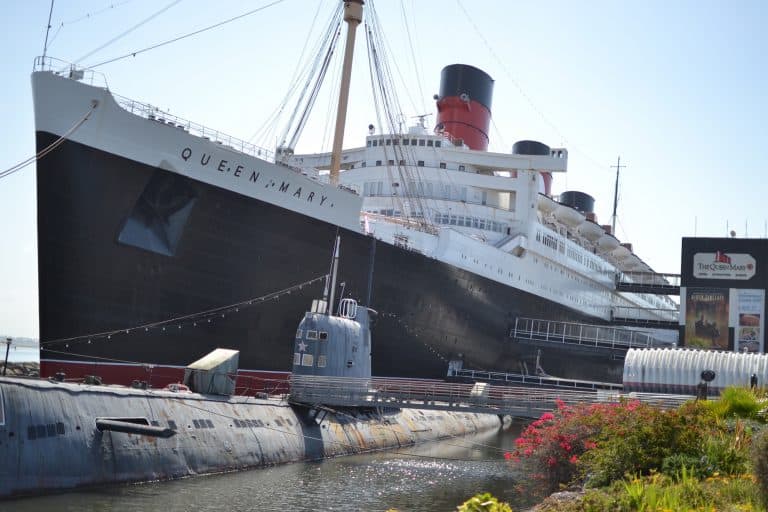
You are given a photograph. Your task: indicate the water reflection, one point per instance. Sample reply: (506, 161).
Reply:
(429, 477)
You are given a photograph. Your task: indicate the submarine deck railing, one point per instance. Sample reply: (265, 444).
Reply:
(524, 402)
(587, 335)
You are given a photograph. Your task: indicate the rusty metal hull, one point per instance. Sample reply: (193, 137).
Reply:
(49, 438)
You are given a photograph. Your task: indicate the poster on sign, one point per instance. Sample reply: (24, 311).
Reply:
(750, 322)
(706, 318)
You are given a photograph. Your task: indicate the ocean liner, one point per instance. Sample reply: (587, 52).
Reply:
(160, 239)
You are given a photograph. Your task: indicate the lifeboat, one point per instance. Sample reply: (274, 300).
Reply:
(547, 205)
(632, 262)
(607, 243)
(621, 252)
(569, 216)
(590, 230)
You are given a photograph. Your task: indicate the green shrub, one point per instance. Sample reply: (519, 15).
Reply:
(484, 502)
(760, 463)
(736, 402)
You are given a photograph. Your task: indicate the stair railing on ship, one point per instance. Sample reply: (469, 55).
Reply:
(581, 334)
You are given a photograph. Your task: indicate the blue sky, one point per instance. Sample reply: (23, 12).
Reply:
(678, 89)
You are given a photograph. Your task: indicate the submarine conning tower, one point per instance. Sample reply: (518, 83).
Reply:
(334, 346)
(464, 104)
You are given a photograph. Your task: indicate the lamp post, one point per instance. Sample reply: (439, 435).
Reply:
(7, 349)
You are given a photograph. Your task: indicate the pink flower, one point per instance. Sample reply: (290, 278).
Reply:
(573, 460)
(547, 416)
(507, 455)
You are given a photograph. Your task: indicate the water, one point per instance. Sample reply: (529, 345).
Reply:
(20, 354)
(431, 477)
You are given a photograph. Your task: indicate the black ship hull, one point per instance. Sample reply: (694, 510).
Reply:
(122, 244)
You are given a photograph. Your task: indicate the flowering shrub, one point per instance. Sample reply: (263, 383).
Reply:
(599, 443)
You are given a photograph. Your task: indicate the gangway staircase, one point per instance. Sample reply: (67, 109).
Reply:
(648, 282)
(481, 398)
(606, 338)
(539, 381)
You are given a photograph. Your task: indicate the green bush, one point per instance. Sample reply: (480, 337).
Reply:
(760, 463)
(484, 502)
(736, 402)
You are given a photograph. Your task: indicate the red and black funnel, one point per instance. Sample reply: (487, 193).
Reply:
(464, 104)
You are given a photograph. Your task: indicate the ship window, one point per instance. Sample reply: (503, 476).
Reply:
(429, 143)
(367, 143)
(461, 168)
(311, 335)
(307, 359)
(296, 359)
(437, 143)
(413, 142)
(421, 142)
(420, 163)
(442, 165)
(321, 361)
(323, 335)
(390, 162)
(160, 214)
(299, 333)
(375, 143)
(389, 142)
(402, 162)
(405, 143)
(363, 164)
(395, 142)
(378, 162)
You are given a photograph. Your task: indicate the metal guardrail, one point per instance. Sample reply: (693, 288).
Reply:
(482, 398)
(651, 279)
(147, 111)
(588, 335)
(533, 380)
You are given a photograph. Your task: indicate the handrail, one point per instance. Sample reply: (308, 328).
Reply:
(147, 111)
(598, 336)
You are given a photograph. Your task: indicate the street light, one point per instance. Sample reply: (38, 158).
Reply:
(7, 349)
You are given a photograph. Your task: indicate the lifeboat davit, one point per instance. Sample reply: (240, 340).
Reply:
(590, 230)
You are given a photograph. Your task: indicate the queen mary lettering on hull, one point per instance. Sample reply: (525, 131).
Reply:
(160, 239)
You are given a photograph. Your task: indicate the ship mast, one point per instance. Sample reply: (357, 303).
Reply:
(353, 15)
(618, 167)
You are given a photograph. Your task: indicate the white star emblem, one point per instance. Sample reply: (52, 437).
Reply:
(302, 346)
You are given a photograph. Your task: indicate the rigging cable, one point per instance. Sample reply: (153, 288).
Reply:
(85, 16)
(40, 154)
(527, 98)
(262, 132)
(126, 32)
(190, 34)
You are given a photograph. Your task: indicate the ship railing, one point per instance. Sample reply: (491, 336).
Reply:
(590, 335)
(531, 380)
(648, 279)
(406, 222)
(69, 70)
(162, 117)
(463, 397)
(640, 314)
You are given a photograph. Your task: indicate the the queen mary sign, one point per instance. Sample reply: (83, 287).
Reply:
(721, 265)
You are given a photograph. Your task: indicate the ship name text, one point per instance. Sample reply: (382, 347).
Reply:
(240, 171)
